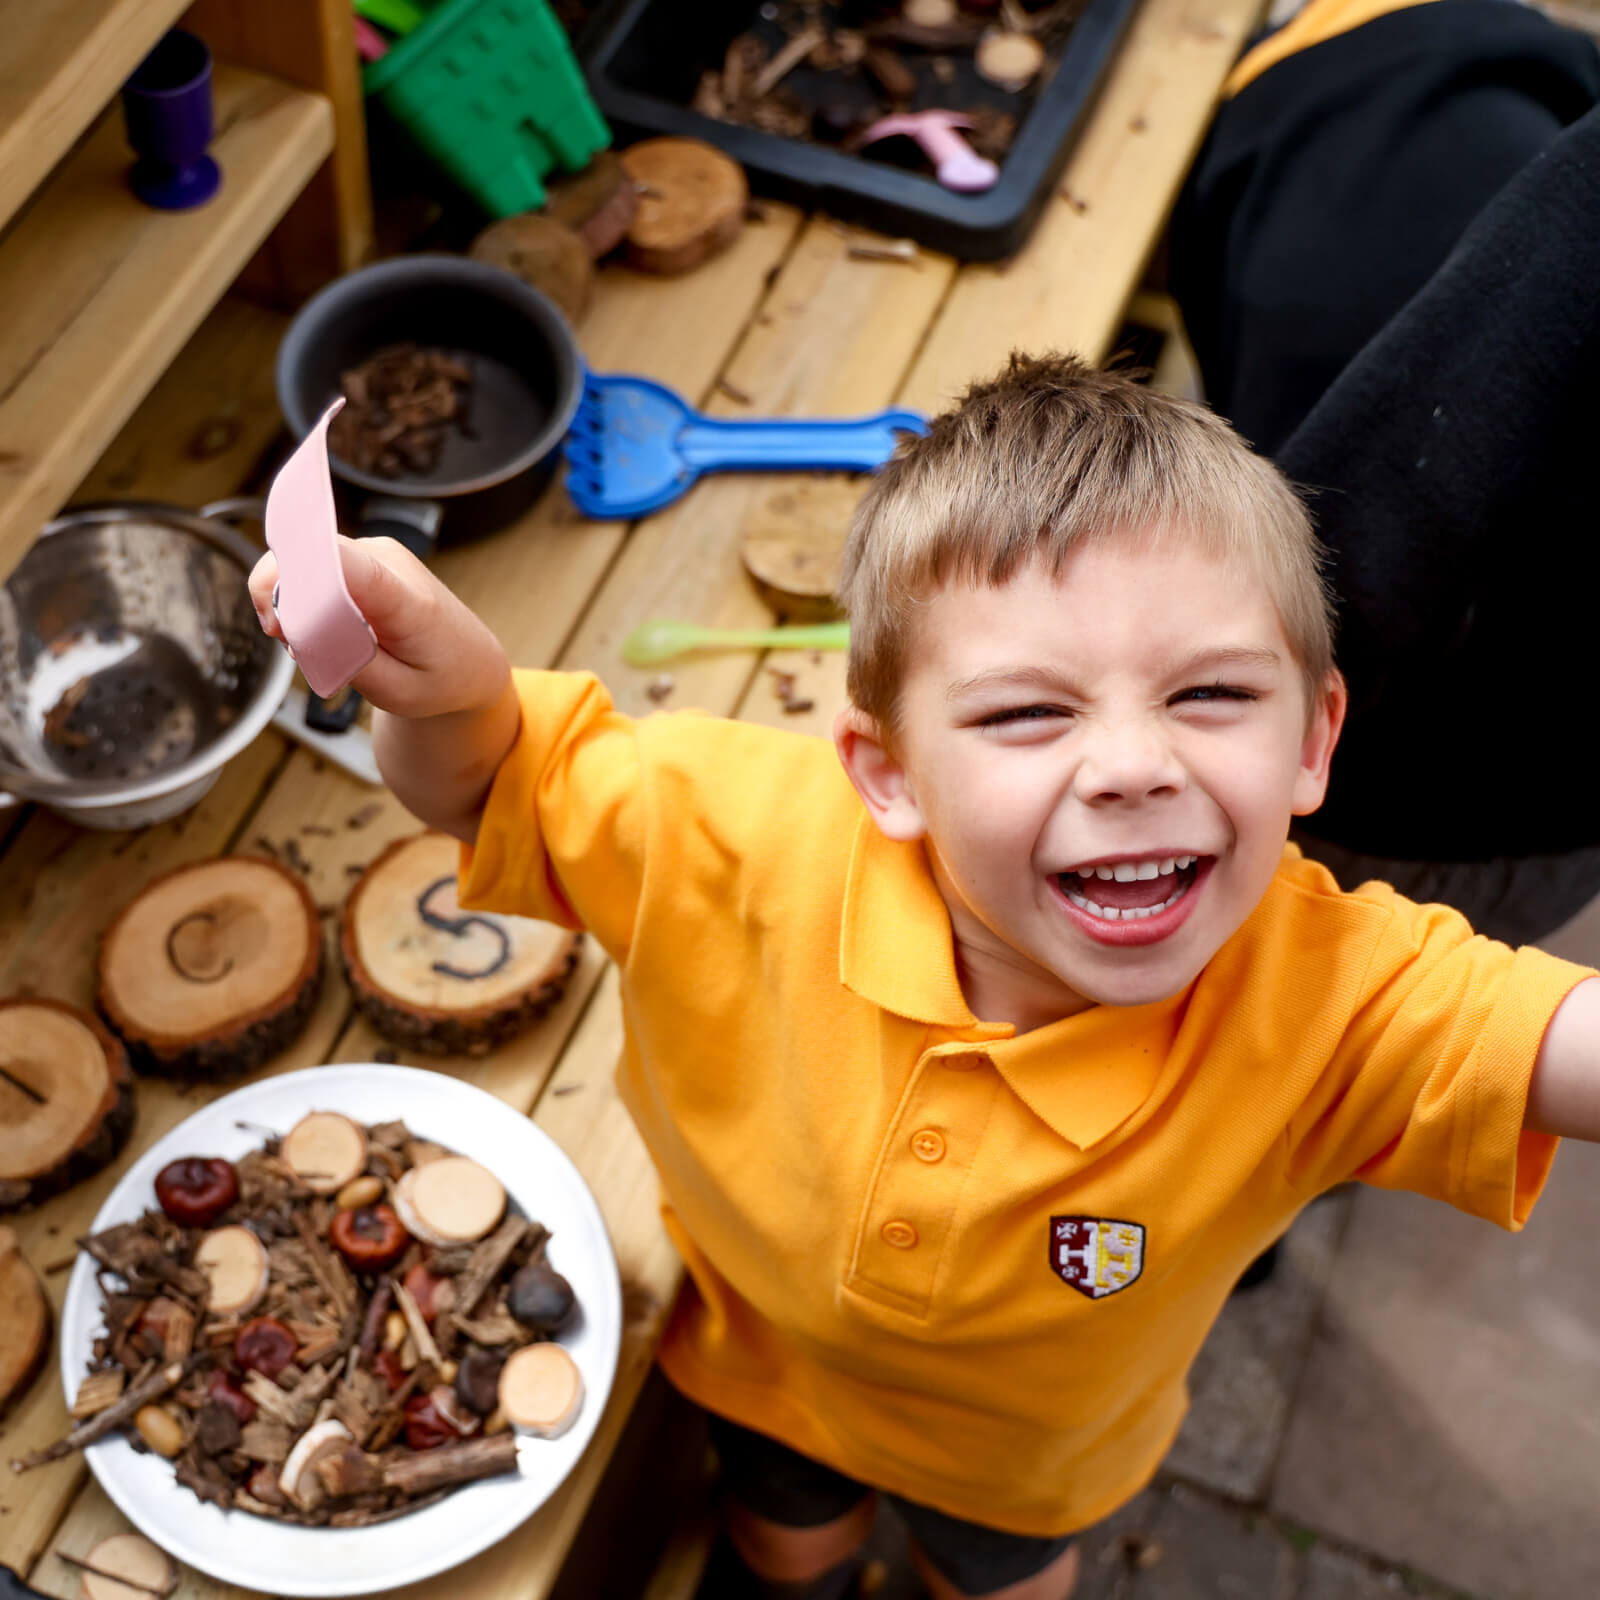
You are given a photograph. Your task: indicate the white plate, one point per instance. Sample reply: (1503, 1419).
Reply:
(258, 1553)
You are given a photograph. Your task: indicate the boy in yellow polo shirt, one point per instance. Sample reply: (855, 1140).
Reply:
(979, 1058)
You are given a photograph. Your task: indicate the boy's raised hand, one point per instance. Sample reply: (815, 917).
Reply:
(447, 709)
(434, 654)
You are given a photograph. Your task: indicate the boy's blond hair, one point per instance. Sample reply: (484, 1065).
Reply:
(1049, 455)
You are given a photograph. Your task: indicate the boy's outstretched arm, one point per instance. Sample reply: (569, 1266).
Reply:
(1564, 1097)
(446, 709)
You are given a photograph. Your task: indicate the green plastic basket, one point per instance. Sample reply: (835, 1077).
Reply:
(491, 91)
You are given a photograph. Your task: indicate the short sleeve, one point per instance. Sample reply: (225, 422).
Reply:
(1428, 1088)
(562, 832)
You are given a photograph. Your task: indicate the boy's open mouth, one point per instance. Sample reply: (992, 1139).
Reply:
(1131, 890)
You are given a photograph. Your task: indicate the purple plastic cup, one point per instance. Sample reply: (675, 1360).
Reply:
(167, 107)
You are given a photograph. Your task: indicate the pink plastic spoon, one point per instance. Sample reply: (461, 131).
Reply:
(955, 163)
(323, 627)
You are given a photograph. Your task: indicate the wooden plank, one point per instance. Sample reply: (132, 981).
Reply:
(63, 60)
(834, 338)
(101, 292)
(1066, 288)
(311, 44)
(210, 421)
(62, 887)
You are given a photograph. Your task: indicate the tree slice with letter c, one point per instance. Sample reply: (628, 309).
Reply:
(66, 1099)
(214, 969)
(438, 979)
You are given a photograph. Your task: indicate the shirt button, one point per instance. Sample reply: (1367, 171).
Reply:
(900, 1234)
(927, 1144)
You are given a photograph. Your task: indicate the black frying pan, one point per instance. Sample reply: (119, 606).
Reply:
(527, 381)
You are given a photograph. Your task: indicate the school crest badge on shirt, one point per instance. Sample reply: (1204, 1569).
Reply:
(1095, 1255)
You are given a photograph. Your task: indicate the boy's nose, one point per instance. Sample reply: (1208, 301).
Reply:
(1126, 763)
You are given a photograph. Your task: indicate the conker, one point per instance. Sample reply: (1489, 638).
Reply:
(264, 1345)
(387, 1365)
(195, 1190)
(225, 1392)
(432, 1293)
(540, 1298)
(370, 1238)
(478, 1380)
(426, 1425)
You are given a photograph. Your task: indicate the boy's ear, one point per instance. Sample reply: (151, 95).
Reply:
(878, 776)
(1316, 752)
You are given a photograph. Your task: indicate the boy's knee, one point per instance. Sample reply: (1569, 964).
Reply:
(799, 1555)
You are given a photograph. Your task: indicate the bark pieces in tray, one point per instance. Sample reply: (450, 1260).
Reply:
(24, 1321)
(213, 969)
(401, 406)
(692, 203)
(433, 978)
(66, 1099)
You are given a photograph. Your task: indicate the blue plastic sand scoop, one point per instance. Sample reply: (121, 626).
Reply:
(635, 446)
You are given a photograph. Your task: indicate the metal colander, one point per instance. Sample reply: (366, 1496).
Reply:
(131, 663)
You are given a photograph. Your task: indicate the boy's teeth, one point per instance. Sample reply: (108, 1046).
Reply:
(1125, 913)
(1127, 871)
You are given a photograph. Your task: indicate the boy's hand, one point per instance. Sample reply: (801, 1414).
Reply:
(434, 654)
(447, 709)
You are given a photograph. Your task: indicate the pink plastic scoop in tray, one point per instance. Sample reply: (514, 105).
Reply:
(327, 635)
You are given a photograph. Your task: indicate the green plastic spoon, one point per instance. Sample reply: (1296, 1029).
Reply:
(651, 643)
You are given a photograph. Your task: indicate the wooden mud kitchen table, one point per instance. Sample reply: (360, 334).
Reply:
(787, 322)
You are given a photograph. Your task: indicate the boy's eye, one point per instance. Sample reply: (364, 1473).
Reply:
(1014, 714)
(1202, 693)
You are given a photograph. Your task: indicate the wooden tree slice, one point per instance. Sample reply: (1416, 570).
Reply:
(544, 253)
(66, 1099)
(24, 1321)
(326, 1150)
(692, 201)
(127, 1567)
(214, 969)
(450, 1201)
(795, 541)
(235, 1264)
(434, 978)
(598, 204)
(541, 1389)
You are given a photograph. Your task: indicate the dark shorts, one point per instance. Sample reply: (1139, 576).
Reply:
(786, 1487)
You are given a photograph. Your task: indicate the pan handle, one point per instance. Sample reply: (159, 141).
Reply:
(415, 523)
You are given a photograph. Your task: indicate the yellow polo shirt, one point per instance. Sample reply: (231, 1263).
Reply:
(965, 1266)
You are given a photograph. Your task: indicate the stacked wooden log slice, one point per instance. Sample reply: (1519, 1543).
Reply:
(24, 1321)
(66, 1099)
(433, 978)
(213, 969)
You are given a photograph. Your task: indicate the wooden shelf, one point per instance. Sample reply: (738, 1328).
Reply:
(101, 291)
(62, 61)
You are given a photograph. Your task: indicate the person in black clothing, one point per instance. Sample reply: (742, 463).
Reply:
(1388, 260)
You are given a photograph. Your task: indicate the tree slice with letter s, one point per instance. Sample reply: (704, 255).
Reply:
(214, 969)
(66, 1099)
(438, 979)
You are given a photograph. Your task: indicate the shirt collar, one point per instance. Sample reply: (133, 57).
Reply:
(1083, 1076)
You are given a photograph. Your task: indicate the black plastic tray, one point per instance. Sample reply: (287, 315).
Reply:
(644, 58)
